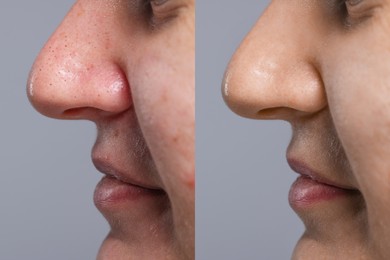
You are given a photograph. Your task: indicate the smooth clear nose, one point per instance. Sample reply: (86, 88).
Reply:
(273, 75)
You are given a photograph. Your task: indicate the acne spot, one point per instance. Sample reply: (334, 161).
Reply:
(90, 67)
(80, 12)
(190, 182)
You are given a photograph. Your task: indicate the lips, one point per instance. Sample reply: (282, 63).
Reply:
(310, 188)
(111, 191)
(117, 188)
(109, 169)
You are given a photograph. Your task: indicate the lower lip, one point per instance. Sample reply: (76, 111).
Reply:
(111, 191)
(306, 192)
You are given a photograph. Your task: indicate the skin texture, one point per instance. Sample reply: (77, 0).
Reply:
(128, 66)
(324, 66)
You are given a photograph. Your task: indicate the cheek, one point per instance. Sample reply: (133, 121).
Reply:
(163, 95)
(357, 81)
(358, 90)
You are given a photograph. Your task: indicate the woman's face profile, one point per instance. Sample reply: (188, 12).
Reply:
(128, 66)
(324, 66)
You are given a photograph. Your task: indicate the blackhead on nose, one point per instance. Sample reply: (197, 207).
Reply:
(76, 76)
(272, 75)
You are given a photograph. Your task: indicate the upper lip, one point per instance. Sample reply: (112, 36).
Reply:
(304, 170)
(107, 168)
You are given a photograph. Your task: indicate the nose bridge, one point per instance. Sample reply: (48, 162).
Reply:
(273, 67)
(75, 70)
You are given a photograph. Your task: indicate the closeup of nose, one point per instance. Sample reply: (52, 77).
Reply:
(273, 75)
(75, 75)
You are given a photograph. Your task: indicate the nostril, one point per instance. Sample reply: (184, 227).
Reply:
(272, 113)
(88, 113)
(81, 113)
(285, 113)
(275, 113)
(74, 112)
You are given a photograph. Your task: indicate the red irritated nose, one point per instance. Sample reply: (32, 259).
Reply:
(76, 76)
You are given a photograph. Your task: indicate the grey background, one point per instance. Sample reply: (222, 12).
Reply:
(243, 179)
(47, 178)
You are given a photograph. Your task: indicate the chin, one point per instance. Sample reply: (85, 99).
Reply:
(116, 248)
(309, 248)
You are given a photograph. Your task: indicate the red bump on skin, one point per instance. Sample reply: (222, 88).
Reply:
(190, 183)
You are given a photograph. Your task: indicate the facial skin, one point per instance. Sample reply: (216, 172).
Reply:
(324, 66)
(128, 66)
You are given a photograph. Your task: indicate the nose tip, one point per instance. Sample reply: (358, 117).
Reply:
(77, 91)
(274, 73)
(270, 90)
(76, 76)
